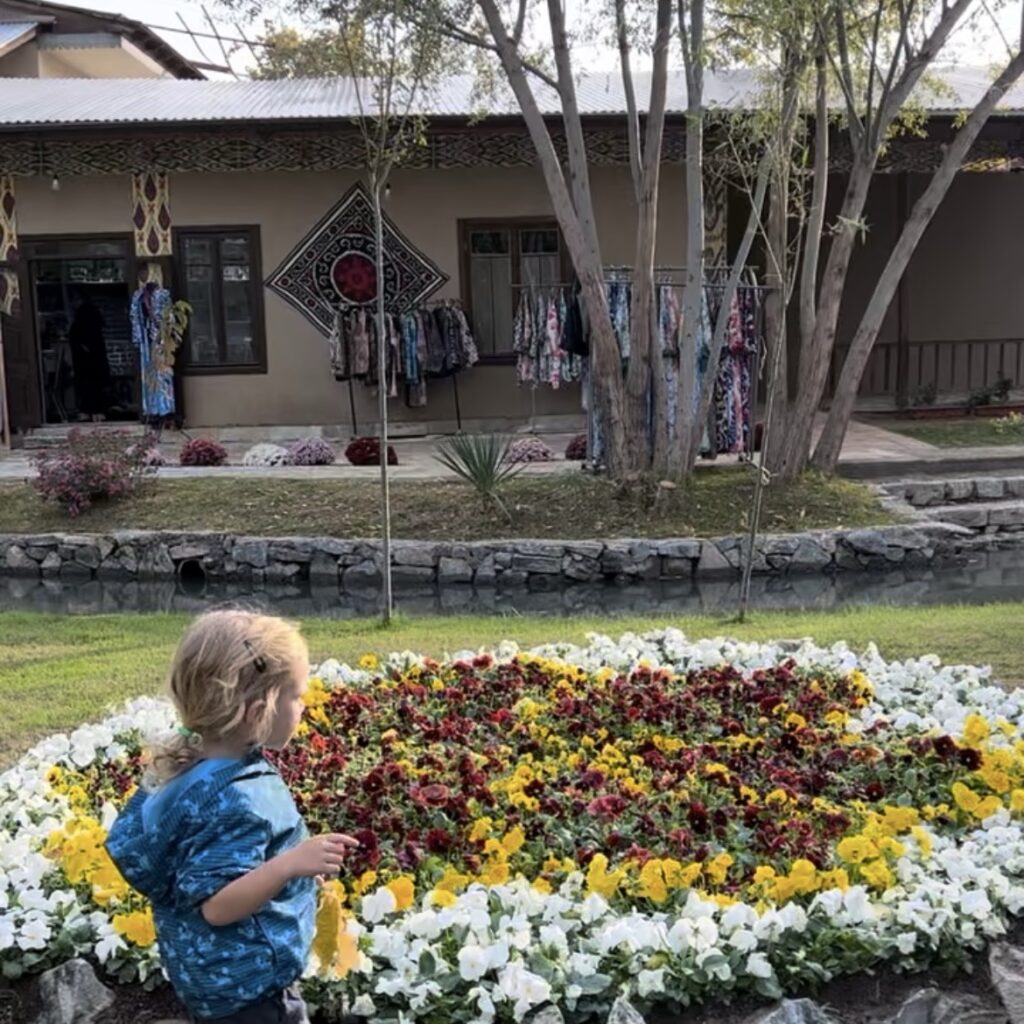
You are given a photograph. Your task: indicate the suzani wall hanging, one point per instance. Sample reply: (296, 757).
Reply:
(334, 266)
(151, 214)
(8, 246)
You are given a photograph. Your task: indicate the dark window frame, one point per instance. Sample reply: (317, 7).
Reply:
(513, 225)
(256, 310)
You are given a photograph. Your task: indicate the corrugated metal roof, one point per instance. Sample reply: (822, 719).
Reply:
(66, 102)
(13, 32)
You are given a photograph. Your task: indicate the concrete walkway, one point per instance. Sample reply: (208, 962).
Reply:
(870, 452)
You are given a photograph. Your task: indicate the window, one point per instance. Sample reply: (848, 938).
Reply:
(499, 258)
(218, 272)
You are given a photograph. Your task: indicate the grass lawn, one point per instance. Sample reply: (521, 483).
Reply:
(563, 506)
(59, 671)
(967, 432)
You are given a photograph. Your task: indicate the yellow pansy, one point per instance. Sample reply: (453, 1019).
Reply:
(442, 897)
(976, 730)
(877, 875)
(600, 879)
(403, 889)
(137, 927)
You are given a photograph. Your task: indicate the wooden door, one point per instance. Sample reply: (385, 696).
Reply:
(21, 365)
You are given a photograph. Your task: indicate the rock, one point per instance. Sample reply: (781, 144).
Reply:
(809, 557)
(549, 1015)
(713, 562)
(251, 552)
(623, 1012)
(1006, 964)
(544, 564)
(930, 1006)
(867, 542)
(72, 994)
(282, 572)
(1009, 515)
(990, 488)
(581, 568)
(414, 554)
(486, 574)
(676, 568)
(323, 566)
(906, 537)
(300, 551)
(74, 571)
(959, 490)
(361, 575)
(678, 548)
(186, 551)
(972, 516)
(926, 493)
(19, 561)
(793, 1011)
(454, 570)
(1015, 486)
(585, 549)
(51, 564)
(412, 574)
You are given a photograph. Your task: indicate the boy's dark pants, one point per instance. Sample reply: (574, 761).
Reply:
(286, 1007)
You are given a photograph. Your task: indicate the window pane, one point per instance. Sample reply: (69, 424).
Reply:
(491, 296)
(203, 325)
(234, 261)
(540, 240)
(489, 243)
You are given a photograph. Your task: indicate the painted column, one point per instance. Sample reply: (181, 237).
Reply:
(10, 297)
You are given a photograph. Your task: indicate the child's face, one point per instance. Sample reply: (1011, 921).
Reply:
(290, 707)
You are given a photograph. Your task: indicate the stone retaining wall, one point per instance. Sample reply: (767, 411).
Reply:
(354, 564)
(924, 494)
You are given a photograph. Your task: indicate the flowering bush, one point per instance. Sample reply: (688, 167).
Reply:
(90, 466)
(529, 449)
(202, 451)
(311, 451)
(664, 819)
(576, 449)
(365, 451)
(266, 455)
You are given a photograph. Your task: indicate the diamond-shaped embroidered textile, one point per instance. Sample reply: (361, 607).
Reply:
(335, 265)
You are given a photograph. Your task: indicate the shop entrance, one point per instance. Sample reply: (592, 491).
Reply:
(79, 292)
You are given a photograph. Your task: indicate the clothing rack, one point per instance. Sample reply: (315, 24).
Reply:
(451, 304)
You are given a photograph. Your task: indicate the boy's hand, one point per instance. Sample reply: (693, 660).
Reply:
(321, 855)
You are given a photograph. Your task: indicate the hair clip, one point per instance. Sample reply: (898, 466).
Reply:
(258, 661)
(184, 730)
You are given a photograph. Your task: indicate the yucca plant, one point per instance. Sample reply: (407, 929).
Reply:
(482, 460)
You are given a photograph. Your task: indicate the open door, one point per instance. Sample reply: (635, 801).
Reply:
(21, 363)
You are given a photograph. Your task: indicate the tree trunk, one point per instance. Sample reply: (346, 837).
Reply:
(826, 456)
(586, 260)
(387, 599)
(816, 352)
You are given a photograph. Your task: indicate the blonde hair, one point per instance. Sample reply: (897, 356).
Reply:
(226, 663)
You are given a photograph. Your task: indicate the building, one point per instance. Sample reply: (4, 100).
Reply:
(237, 193)
(50, 40)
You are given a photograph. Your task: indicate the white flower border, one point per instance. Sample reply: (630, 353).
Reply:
(498, 953)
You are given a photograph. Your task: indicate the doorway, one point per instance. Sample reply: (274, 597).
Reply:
(79, 293)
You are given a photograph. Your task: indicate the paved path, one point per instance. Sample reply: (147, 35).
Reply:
(870, 451)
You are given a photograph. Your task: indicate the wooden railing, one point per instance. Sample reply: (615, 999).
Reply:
(949, 369)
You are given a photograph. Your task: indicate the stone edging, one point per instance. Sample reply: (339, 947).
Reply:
(355, 564)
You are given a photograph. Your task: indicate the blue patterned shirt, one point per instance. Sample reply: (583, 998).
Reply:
(181, 844)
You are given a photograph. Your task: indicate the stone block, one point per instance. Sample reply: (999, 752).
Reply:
(959, 490)
(866, 542)
(251, 551)
(323, 566)
(18, 561)
(1008, 515)
(974, 517)
(454, 570)
(678, 549)
(282, 572)
(992, 488)
(51, 564)
(411, 553)
(361, 575)
(809, 557)
(298, 551)
(549, 564)
(713, 562)
(189, 550)
(1006, 965)
(408, 575)
(926, 493)
(677, 568)
(581, 569)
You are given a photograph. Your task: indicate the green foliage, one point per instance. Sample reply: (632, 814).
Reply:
(481, 460)
(321, 53)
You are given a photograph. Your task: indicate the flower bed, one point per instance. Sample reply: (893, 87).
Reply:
(675, 821)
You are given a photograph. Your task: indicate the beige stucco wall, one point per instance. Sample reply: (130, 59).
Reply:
(21, 63)
(425, 205)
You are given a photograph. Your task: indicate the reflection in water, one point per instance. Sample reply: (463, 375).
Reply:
(985, 577)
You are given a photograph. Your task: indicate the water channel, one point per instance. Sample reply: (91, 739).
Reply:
(980, 579)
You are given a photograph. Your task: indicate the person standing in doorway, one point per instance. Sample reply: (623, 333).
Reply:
(89, 360)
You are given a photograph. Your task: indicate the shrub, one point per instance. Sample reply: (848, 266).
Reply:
(482, 461)
(202, 451)
(311, 451)
(1010, 426)
(576, 449)
(266, 455)
(529, 449)
(89, 467)
(365, 451)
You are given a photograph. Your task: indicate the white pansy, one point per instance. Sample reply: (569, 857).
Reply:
(378, 905)
(650, 983)
(474, 963)
(757, 966)
(363, 1006)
